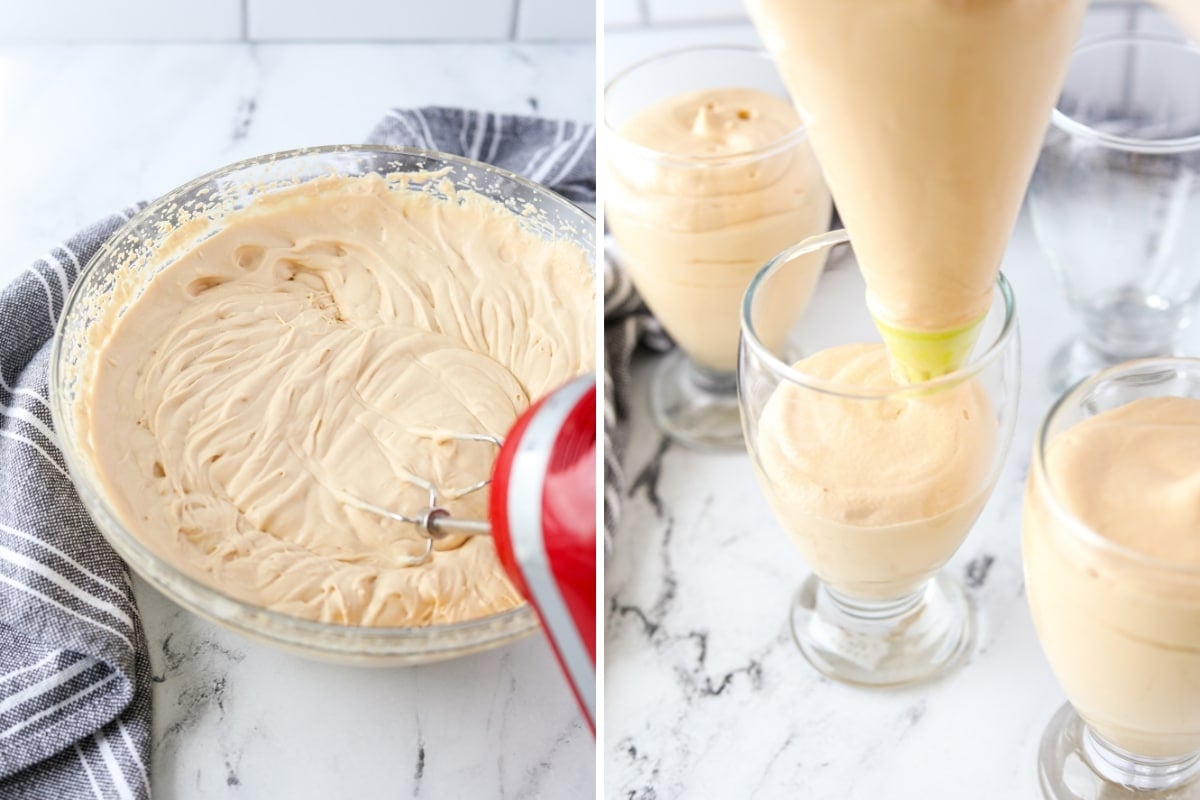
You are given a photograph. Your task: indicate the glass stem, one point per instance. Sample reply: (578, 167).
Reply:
(711, 381)
(1137, 772)
(872, 610)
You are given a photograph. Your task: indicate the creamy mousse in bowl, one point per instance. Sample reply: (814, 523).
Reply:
(274, 341)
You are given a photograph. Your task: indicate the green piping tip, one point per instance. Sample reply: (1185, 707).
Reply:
(919, 356)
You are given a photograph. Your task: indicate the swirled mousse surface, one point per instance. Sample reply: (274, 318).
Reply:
(323, 343)
(1132, 474)
(927, 117)
(699, 199)
(876, 492)
(712, 123)
(876, 461)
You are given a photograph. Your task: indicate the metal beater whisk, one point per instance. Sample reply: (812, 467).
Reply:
(434, 520)
(542, 517)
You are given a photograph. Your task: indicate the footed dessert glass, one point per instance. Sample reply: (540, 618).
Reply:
(876, 482)
(1115, 200)
(1121, 629)
(691, 230)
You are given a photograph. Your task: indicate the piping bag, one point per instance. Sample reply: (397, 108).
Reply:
(927, 117)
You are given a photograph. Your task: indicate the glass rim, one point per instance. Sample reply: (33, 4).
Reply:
(280, 628)
(1131, 144)
(829, 240)
(789, 139)
(1079, 530)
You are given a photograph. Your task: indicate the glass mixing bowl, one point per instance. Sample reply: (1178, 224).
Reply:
(126, 264)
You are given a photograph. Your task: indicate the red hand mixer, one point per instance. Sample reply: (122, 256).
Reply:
(542, 517)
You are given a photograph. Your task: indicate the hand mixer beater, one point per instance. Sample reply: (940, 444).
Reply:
(542, 517)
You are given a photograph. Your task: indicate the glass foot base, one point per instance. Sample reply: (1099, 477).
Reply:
(915, 638)
(694, 406)
(1075, 764)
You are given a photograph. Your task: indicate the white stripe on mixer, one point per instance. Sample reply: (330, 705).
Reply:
(525, 489)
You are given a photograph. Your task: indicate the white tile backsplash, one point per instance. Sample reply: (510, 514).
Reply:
(623, 13)
(541, 20)
(60, 21)
(666, 13)
(624, 48)
(120, 20)
(381, 20)
(675, 11)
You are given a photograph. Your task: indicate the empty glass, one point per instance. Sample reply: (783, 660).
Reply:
(876, 483)
(1120, 628)
(1115, 199)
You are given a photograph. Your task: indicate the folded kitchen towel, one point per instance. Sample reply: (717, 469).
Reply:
(628, 324)
(558, 154)
(74, 669)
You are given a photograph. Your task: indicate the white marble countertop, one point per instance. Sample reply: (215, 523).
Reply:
(85, 130)
(708, 696)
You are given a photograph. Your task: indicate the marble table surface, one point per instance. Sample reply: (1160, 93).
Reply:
(708, 696)
(85, 130)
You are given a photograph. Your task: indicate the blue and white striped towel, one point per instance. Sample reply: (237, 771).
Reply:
(74, 669)
(559, 154)
(628, 325)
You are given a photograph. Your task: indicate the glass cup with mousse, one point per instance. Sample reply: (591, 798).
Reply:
(876, 481)
(1111, 551)
(709, 174)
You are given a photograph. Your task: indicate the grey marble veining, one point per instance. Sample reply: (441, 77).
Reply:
(233, 716)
